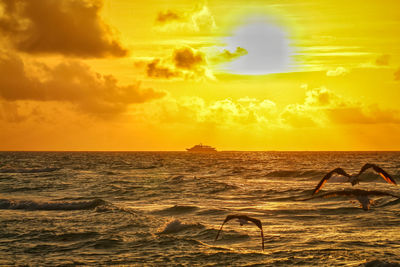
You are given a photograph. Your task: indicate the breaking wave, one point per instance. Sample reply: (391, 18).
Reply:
(62, 205)
(176, 226)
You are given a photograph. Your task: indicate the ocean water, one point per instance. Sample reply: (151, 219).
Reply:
(165, 208)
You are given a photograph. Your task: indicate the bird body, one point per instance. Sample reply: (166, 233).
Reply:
(354, 179)
(244, 219)
(242, 222)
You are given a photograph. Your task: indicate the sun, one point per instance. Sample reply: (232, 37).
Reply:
(267, 45)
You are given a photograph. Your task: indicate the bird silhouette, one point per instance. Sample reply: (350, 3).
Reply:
(243, 219)
(354, 179)
(361, 195)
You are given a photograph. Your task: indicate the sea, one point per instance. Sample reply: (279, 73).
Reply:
(165, 209)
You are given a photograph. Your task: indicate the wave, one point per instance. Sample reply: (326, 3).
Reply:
(62, 205)
(177, 179)
(393, 202)
(108, 173)
(177, 209)
(144, 167)
(378, 263)
(222, 188)
(74, 236)
(296, 173)
(107, 243)
(211, 212)
(176, 226)
(29, 170)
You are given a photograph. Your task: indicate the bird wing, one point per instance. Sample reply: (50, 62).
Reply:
(227, 219)
(327, 176)
(380, 171)
(247, 218)
(262, 239)
(354, 192)
(381, 193)
(259, 225)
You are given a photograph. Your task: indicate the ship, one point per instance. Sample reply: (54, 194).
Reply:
(201, 148)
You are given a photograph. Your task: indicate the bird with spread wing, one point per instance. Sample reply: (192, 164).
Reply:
(243, 219)
(354, 179)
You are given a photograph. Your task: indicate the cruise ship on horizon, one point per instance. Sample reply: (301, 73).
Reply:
(201, 148)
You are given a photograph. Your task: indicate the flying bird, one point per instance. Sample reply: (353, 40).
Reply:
(243, 219)
(354, 179)
(361, 195)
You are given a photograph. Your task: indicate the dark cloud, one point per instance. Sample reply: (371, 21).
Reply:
(185, 63)
(70, 27)
(168, 16)
(187, 58)
(382, 60)
(71, 82)
(156, 70)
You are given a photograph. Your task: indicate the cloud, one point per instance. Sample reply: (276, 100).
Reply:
(298, 116)
(185, 63)
(244, 111)
(187, 58)
(382, 60)
(223, 113)
(339, 71)
(198, 20)
(362, 115)
(188, 63)
(323, 107)
(9, 111)
(227, 55)
(397, 75)
(71, 82)
(69, 27)
(168, 17)
(320, 97)
(154, 69)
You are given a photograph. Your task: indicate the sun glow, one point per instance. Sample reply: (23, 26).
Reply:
(267, 45)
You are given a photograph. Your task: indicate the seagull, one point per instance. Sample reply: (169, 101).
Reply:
(360, 195)
(243, 219)
(353, 179)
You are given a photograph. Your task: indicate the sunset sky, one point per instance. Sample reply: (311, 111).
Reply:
(166, 75)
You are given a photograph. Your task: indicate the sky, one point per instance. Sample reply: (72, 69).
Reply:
(157, 75)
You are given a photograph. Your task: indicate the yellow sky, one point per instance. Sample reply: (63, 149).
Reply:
(165, 75)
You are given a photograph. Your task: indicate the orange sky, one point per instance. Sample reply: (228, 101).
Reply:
(165, 75)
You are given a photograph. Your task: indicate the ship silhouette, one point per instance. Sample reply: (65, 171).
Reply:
(201, 148)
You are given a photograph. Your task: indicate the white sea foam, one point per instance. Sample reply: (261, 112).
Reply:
(176, 225)
(173, 227)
